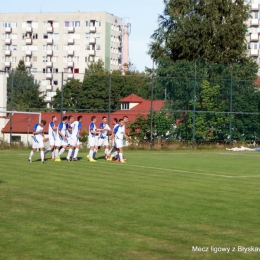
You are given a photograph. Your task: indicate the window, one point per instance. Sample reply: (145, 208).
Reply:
(35, 36)
(76, 59)
(256, 15)
(55, 36)
(98, 35)
(14, 59)
(14, 47)
(34, 58)
(98, 47)
(55, 59)
(87, 23)
(16, 138)
(65, 59)
(76, 24)
(55, 47)
(125, 106)
(98, 24)
(6, 25)
(43, 70)
(44, 59)
(66, 24)
(55, 82)
(76, 71)
(87, 35)
(33, 70)
(45, 36)
(56, 24)
(87, 47)
(44, 47)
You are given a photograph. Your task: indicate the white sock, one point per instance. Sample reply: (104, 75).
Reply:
(69, 153)
(76, 153)
(56, 153)
(31, 154)
(106, 151)
(61, 151)
(91, 154)
(120, 157)
(42, 156)
(53, 153)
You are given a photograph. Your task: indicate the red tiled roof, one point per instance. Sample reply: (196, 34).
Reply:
(23, 123)
(131, 99)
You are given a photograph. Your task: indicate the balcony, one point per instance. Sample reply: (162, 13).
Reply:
(71, 29)
(48, 99)
(50, 41)
(49, 29)
(254, 22)
(254, 7)
(8, 41)
(92, 41)
(70, 41)
(254, 37)
(70, 75)
(49, 64)
(29, 29)
(28, 53)
(28, 41)
(92, 29)
(70, 64)
(8, 53)
(49, 88)
(8, 30)
(7, 64)
(49, 52)
(28, 64)
(49, 75)
(70, 53)
(92, 52)
(254, 52)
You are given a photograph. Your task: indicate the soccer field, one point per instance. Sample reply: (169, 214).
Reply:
(159, 205)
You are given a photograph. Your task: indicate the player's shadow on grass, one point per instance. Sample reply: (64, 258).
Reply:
(1, 181)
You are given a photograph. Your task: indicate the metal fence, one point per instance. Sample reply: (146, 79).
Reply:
(194, 103)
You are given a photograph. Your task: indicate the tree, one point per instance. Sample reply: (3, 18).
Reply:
(72, 96)
(26, 92)
(214, 30)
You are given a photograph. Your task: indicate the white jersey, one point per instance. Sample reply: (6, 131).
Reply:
(105, 128)
(119, 132)
(52, 133)
(92, 127)
(76, 126)
(38, 137)
(63, 127)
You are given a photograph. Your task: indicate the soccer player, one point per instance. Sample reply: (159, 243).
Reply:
(91, 138)
(119, 133)
(113, 149)
(75, 127)
(61, 140)
(102, 138)
(38, 138)
(52, 133)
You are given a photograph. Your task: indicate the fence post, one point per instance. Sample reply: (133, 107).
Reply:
(194, 102)
(151, 111)
(61, 97)
(231, 105)
(11, 106)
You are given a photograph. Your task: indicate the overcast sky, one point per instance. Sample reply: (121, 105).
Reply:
(143, 16)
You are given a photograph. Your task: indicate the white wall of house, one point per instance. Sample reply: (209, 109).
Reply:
(3, 94)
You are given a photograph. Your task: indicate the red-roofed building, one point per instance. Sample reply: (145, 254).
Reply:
(131, 106)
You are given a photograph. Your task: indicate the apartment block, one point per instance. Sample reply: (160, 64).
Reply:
(253, 24)
(51, 43)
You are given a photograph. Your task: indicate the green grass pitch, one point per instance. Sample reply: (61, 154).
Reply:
(159, 205)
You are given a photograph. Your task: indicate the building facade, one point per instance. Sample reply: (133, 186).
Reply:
(253, 24)
(52, 43)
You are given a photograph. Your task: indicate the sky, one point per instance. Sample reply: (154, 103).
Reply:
(143, 15)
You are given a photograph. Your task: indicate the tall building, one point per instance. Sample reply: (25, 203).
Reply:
(253, 24)
(51, 43)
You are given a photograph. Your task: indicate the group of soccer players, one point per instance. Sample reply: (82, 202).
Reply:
(68, 134)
